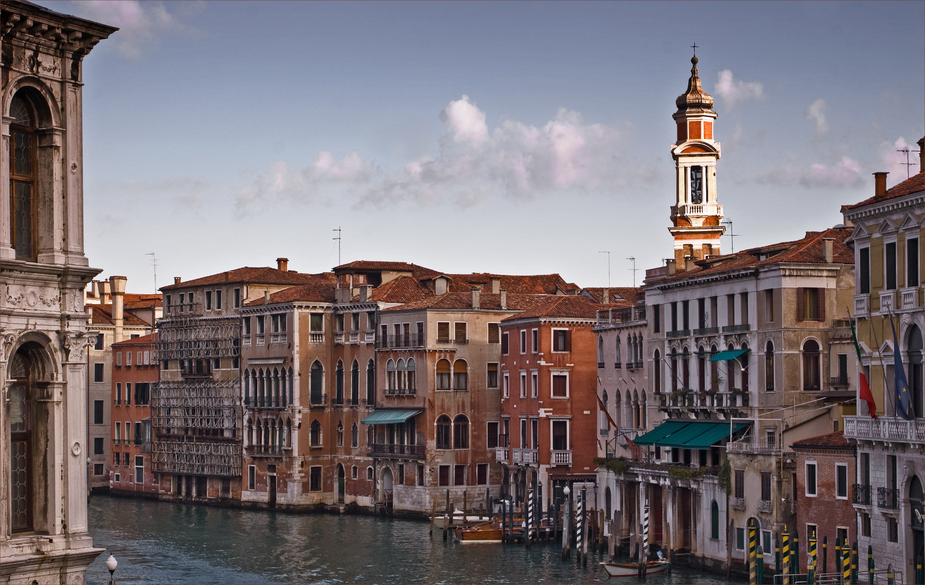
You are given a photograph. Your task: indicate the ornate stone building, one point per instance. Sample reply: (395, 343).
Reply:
(43, 272)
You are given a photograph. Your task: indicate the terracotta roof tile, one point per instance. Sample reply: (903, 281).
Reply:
(568, 307)
(322, 290)
(404, 289)
(102, 315)
(248, 275)
(834, 440)
(378, 265)
(911, 185)
(619, 295)
(453, 301)
(548, 284)
(143, 340)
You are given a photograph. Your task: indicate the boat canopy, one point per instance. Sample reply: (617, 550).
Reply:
(689, 434)
(391, 416)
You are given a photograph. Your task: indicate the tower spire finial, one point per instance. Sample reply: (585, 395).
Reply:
(694, 46)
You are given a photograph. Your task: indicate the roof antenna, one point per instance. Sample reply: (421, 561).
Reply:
(907, 163)
(608, 265)
(337, 237)
(633, 260)
(732, 241)
(154, 264)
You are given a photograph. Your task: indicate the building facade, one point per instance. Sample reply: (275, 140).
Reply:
(889, 241)
(825, 467)
(43, 272)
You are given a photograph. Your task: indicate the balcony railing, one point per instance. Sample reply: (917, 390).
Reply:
(909, 299)
(743, 328)
(737, 503)
(752, 448)
(861, 306)
(396, 450)
(400, 341)
(890, 429)
(354, 337)
(838, 382)
(697, 209)
(560, 458)
(272, 451)
(370, 335)
(860, 494)
(279, 337)
(764, 506)
(501, 455)
(887, 498)
(627, 316)
(316, 337)
(679, 333)
(401, 391)
(887, 301)
(339, 337)
(706, 331)
(525, 456)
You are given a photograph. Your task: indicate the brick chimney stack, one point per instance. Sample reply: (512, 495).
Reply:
(105, 297)
(282, 264)
(828, 248)
(118, 305)
(880, 183)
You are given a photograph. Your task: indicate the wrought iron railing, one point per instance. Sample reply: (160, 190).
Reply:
(887, 498)
(860, 494)
(396, 450)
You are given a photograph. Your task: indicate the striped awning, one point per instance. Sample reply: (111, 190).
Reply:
(391, 416)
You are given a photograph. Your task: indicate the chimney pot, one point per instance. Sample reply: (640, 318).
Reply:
(118, 304)
(606, 296)
(670, 266)
(828, 247)
(689, 263)
(282, 264)
(880, 183)
(266, 296)
(177, 280)
(105, 297)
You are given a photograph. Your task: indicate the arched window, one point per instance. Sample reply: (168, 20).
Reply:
(412, 382)
(674, 368)
(317, 383)
(443, 375)
(247, 388)
(460, 375)
(371, 382)
(657, 371)
(686, 368)
(287, 437)
(714, 520)
(391, 380)
(714, 371)
(340, 434)
(744, 358)
(26, 372)
(443, 432)
(402, 375)
(261, 390)
(628, 410)
(701, 369)
(603, 417)
(731, 370)
(618, 418)
(339, 383)
(355, 383)
(276, 398)
(769, 367)
(461, 432)
(291, 391)
(635, 409)
(315, 434)
(811, 369)
(600, 352)
(619, 362)
(916, 382)
(355, 436)
(23, 178)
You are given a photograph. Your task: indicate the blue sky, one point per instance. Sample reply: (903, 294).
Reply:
(493, 137)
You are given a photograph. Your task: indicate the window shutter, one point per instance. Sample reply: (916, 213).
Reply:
(800, 308)
(568, 340)
(820, 304)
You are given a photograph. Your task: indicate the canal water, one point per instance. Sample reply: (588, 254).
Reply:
(162, 542)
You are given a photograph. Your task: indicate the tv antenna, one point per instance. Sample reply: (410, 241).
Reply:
(907, 163)
(608, 265)
(337, 237)
(154, 265)
(633, 260)
(731, 235)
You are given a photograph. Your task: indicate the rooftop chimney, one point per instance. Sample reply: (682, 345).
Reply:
(828, 248)
(606, 296)
(921, 144)
(105, 297)
(176, 280)
(282, 264)
(495, 286)
(689, 263)
(118, 305)
(880, 183)
(503, 299)
(366, 293)
(476, 298)
(670, 265)
(266, 297)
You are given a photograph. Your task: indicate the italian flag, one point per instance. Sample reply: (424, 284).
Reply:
(866, 394)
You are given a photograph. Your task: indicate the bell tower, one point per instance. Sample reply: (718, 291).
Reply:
(696, 216)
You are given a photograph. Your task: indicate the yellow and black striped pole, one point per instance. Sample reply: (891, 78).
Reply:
(890, 577)
(854, 563)
(870, 564)
(811, 560)
(846, 564)
(785, 562)
(838, 558)
(752, 570)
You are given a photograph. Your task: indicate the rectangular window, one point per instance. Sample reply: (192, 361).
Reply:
(139, 361)
(444, 475)
(139, 469)
(561, 340)
(182, 302)
(247, 326)
(810, 304)
(314, 483)
(560, 435)
(98, 371)
(656, 318)
(315, 323)
(494, 333)
(99, 341)
(128, 393)
(560, 385)
(889, 260)
(865, 524)
(128, 358)
(119, 358)
(147, 357)
(97, 445)
(523, 384)
(261, 326)
(97, 469)
(534, 384)
(912, 262)
(401, 474)
(118, 436)
(443, 331)
(492, 376)
(461, 333)
(743, 300)
(218, 300)
(769, 306)
(535, 341)
(843, 369)
(841, 534)
(864, 271)
(523, 341)
(812, 531)
(97, 412)
(766, 486)
(523, 433)
(740, 538)
(118, 392)
(811, 479)
(504, 343)
(739, 483)
(208, 300)
(535, 432)
(251, 475)
(459, 473)
(766, 541)
(841, 481)
(492, 437)
(505, 385)
(481, 474)
(892, 529)
(236, 298)
(138, 433)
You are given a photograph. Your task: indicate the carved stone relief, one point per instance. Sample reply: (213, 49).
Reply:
(75, 344)
(17, 296)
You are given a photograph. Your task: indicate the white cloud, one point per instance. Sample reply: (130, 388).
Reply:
(816, 113)
(473, 163)
(843, 173)
(733, 92)
(141, 24)
(893, 160)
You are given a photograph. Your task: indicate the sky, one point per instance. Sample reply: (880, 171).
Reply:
(512, 138)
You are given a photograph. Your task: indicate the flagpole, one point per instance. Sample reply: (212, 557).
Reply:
(886, 391)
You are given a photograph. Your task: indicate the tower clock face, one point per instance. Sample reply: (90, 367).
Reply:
(696, 184)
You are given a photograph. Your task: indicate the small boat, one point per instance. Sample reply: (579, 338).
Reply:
(632, 569)
(480, 533)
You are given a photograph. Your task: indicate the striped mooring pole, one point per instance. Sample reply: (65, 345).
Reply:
(890, 577)
(811, 560)
(528, 520)
(825, 555)
(752, 569)
(645, 533)
(785, 561)
(854, 563)
(795, 557)
(579, 527)
(846, 564)
(870, 564)
(919, 571)
(776, 556)
(587, 530)
(838, 558)
(759, 562)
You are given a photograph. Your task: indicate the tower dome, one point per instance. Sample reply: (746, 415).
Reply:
(694, 100)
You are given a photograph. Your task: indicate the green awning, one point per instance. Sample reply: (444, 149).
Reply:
(392, 416)
(689, 434)
(725, 356)
(660, 432)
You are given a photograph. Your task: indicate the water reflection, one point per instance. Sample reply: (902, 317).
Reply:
(158, 542)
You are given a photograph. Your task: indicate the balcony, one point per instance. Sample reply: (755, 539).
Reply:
(887, 429)
(354, 337)
(501, 455)
(688, 209)
(743, 328)
(316, 337)
(401, 341)
(751, 448)
(246, 341)
(764, 506)
(737, 503)
(279, 337)
(369, 335)
(706, 331)
(396, 450)
(268, 402)
(560, 457)
(887, 301)
(525, 456)
(622, 436)
(679, 333)
(260, 339)
(908, 299)
(838, 382)
(400, 391)
(627, 316)
(339, 337)
(264, 451)
(887, 498)
(860, 494)
(862, 306)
